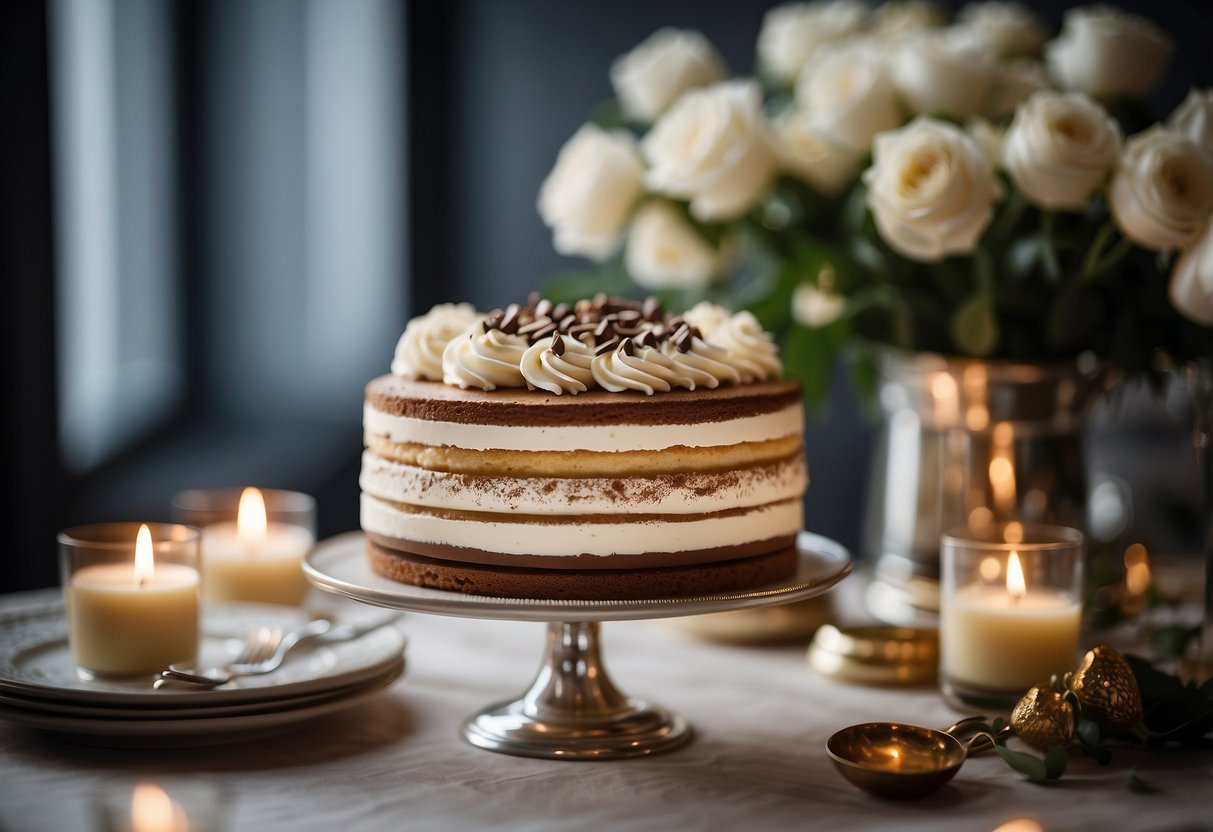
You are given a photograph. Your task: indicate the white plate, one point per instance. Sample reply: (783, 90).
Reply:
(121, 712)
(340, 565)
(197, 731)
(35, 661)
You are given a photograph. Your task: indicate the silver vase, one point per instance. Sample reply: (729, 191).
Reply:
(969, 443)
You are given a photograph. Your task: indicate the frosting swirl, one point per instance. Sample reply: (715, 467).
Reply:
(749, 348)
(486, 360)
(559, 365)
(702, 365)
(635, 368)
(419, 350)
(706, 316)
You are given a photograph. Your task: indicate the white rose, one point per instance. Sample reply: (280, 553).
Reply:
(664, 251)
(663, 67)
(1191, 287)
(792, 32)
(988, 136)
(808, 155)
(931, 190)
(1194, 118)
(942, 72)
(901, 17)
(815, 307)
(847, 94)
(711, 148)
(1014, 82)
(1162, 192)
(1009, 28)
(587, 197)
(1060, 148)
(1103, 51)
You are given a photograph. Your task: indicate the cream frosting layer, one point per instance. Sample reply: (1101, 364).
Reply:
(788, 421)
(696, 493)
(600, 539)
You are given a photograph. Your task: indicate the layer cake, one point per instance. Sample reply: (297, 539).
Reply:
(621, 454)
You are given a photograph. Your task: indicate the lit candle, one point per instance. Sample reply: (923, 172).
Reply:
(254, 559)
(125, 621)
(152, 810)
(1007, 638)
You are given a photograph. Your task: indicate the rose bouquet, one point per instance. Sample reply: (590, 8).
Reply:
(973, 189)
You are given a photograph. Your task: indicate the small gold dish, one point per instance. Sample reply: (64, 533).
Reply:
(902, 762)
(876, 655)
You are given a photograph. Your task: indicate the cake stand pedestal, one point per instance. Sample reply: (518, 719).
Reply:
(572, 711)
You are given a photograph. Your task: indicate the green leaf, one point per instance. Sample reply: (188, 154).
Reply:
(809, 355)
(1027, 764)
(974, 327)
(1055, 762)
(609, 115)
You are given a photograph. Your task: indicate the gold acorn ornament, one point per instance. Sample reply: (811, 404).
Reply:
(1107, 690)
(1043, 718)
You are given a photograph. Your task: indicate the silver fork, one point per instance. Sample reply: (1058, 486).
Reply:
(259, 645)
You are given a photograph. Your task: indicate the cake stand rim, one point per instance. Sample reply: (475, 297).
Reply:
(822, 563)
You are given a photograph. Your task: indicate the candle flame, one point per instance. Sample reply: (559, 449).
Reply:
(250, 517)
(144, 565)
(152, 810)
(1015, 582)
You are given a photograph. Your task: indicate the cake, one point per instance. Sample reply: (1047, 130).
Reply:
(604, 450)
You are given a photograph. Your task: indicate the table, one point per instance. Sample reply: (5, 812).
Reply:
(757, 762)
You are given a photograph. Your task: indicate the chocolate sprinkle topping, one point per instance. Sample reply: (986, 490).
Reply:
(557, 345)
(606, 346)
(626, 347)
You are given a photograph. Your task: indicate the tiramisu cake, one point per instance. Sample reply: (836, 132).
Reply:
(603, 450)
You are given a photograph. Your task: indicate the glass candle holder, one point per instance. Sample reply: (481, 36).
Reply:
(253, 542)
(1010, 610)
(132, 597)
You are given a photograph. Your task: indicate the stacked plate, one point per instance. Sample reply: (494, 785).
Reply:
(39, 687)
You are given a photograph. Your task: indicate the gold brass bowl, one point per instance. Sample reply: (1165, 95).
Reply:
(902, 762)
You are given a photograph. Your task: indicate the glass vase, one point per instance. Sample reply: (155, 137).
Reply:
(967, 443)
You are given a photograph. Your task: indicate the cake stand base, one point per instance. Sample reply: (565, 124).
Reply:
(573, 711)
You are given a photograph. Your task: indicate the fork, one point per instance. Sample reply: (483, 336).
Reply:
(259, 645)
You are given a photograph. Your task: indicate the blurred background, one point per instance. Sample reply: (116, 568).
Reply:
(218, 216)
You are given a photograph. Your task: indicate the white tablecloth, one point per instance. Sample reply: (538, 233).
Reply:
(761, 719)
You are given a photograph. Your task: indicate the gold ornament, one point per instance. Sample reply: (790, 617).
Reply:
(1043, 718)
(1107, 689)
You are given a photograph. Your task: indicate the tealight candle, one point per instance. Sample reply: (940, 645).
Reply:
(130, 617)
(175, 804)
(1009, 611)
(259, 555)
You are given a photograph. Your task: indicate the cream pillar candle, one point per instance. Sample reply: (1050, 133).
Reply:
(1007, 639)
(131, 621)
(253, 559)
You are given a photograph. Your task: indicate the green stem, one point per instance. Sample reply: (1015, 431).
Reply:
(1011, 213)
(1114, 256)
(1048, 252)
(1096, 250)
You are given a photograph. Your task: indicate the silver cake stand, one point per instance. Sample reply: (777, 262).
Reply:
(572, 711)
